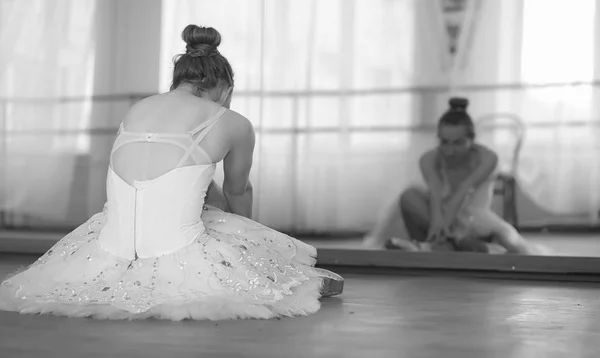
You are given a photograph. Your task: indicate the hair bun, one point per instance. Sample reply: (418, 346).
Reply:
(458, 104)
(197, 37)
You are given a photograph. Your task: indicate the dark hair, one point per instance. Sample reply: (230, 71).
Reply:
(201, 65)
(457, 115)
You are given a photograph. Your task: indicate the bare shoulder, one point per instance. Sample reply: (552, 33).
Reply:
(147, 102)
(238, 125)
(428, 157)
(485, 153)
(145, 106)
(141, 103)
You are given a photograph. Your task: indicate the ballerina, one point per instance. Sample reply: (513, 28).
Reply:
(156, 250)
(454, 213)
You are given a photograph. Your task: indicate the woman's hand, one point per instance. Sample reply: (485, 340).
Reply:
(438, 228)
(450, 211)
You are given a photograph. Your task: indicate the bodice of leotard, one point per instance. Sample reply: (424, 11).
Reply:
(156, 217)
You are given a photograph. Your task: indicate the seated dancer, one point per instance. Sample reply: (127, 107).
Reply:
(156, 250)
(454, 214)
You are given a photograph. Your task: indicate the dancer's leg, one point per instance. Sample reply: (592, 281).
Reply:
(409, 216)
(388, 225)
(414, 206)
(505, 234)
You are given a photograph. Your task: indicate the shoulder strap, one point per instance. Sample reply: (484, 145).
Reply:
(208, 122)
(204, 129)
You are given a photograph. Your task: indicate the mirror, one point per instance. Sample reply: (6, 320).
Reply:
(531, 105)
(345, 98)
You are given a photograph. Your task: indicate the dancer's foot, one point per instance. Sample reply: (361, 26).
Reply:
(373, 243)
(396, 243)
(539, 250)
(333, 284)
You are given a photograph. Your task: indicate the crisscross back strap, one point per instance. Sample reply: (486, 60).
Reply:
(202, 130)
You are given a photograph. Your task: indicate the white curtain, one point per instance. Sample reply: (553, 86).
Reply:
(47, 49)
(560, 163)
(64, 66)
(320, 81)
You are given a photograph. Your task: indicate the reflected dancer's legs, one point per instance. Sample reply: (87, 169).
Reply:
(414, 207)
(407, 218)
(389, 224)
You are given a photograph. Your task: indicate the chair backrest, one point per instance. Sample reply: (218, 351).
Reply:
(505, 133)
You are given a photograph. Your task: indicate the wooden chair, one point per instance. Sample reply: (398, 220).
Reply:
(506, 182)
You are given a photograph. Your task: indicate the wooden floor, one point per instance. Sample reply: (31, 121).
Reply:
(383, 315)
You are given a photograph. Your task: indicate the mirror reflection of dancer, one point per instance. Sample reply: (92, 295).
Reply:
(156, 250)
(454, 214)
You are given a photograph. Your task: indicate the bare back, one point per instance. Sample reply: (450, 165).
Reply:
(172, 123)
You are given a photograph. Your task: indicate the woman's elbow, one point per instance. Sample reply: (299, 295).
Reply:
(237, 189)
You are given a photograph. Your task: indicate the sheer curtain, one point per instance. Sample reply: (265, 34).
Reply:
(66, 69)
(47, 51)
(560, 163)
(323, 82)
(539, 59)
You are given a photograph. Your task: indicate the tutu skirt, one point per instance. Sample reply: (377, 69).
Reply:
(237, 268)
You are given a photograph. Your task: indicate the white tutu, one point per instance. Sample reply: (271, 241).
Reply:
(236, 269)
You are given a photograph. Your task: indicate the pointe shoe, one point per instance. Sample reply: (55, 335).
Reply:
(333, 284)
(371, 243)
(396, 243)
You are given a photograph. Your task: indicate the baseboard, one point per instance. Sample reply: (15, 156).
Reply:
(21, 242)
(349, 271)
(461, 261)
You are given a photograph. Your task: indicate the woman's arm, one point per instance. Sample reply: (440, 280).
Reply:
(435, 185)
(488, 160)
(236, 166)
(432, 178)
